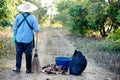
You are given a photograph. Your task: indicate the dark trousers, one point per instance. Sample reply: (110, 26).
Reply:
(27, 49)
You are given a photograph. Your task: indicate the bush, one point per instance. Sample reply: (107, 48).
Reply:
(109, 46)
(114, 36)
(77, 22)
(6, 44)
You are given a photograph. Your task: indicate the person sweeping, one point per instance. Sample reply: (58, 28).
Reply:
(23, 28)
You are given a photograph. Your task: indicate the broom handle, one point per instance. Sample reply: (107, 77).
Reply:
(36, 41)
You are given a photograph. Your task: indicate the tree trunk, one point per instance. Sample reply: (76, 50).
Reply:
(102, 31)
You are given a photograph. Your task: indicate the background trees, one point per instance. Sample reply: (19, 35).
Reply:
(98, 18)
(62, 8)
(4, 13)
(79, 16)
(41, 13)
(8, 11)
(77, 22)
(84, 16)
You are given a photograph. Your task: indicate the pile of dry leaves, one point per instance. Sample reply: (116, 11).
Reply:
(54, 69)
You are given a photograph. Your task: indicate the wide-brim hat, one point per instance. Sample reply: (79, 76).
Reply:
(27, 7)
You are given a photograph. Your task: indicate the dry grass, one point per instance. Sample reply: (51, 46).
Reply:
(96, 49)
(6, 43)
(7, 49)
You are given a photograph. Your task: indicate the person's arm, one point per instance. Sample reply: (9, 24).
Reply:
(15, 29)
(15, 25)
(35, 25)
(36, 35)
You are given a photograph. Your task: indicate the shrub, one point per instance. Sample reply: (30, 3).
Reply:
(109, 46)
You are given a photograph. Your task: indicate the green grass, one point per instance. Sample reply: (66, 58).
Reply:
(109, 46)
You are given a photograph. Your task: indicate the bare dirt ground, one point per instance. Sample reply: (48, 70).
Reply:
(53, 43)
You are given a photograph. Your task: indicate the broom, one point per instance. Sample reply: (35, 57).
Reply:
(35, 62)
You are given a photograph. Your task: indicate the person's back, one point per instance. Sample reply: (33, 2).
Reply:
(24, 25)
(24, 33)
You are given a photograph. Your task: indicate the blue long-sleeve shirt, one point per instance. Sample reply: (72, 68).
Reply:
(24, 33)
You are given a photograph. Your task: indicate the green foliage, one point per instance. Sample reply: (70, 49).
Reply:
(83, 16)
(77, 22)
(41, 12)
(114, 36)
(62, 18)
(97, 17)
(112, 12)
(62, 7)
(115, 41)
(118, 16)
(94, 13)
(4, 14)
(7, 11)
(109, 46)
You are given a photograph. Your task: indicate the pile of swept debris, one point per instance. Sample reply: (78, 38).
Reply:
(54, 69)
(76, 65)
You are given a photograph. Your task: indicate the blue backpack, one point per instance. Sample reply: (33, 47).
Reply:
(78, 63)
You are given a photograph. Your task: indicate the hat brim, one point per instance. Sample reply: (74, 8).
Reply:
(31, 9)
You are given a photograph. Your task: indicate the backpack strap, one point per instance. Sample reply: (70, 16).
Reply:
(25, 18)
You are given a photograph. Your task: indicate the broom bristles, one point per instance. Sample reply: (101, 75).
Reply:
(36, 64)
(36, 55)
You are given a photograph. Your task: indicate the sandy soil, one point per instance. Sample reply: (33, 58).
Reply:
(53, 43)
